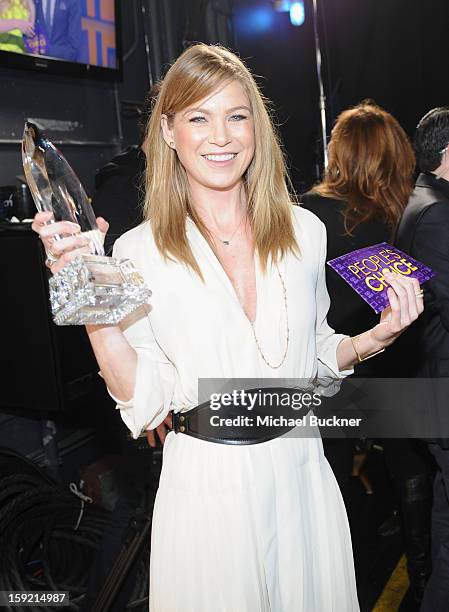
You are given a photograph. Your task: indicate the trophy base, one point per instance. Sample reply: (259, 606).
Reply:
(96, 290)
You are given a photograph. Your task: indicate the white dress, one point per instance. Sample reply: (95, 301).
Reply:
(257, 528)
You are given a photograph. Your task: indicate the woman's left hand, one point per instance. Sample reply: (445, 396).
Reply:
(162, 431)
(406, 304)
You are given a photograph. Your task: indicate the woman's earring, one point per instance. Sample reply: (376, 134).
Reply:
(172, 144)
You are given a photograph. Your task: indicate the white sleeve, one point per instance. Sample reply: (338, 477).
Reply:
(327, 340)
(155, 375)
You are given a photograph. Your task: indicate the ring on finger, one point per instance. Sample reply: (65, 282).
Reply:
(420, 294)
(51, 258)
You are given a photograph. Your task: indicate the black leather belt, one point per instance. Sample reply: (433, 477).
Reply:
(232, 425)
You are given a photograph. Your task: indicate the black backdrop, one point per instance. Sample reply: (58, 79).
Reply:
(393, 51)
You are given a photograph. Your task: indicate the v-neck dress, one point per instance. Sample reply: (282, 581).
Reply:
(257, 528)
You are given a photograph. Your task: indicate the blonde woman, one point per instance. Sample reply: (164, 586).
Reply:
(16, 21)
(237, 274)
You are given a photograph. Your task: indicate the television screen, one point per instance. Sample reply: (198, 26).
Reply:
(73, 36)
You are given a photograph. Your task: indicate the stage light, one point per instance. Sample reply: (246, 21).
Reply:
(297, 13)
(255, 20)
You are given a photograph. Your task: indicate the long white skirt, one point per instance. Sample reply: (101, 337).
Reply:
(257, 528)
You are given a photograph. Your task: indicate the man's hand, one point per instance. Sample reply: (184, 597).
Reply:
(25, 26)
(162, 431)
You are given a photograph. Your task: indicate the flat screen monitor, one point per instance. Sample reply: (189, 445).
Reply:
(70, 37)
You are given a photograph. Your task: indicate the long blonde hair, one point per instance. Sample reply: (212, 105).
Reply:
(199, 71)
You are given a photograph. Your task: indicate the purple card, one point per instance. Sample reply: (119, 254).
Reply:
(362, 269)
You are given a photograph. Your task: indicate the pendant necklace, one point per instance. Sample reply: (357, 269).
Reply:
(228, 241)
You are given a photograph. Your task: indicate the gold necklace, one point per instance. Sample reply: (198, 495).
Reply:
(228, 242)
(270, 365)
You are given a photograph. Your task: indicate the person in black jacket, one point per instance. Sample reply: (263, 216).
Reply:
(424, 233)
(119, 193)
(119, 185)
(365, 188)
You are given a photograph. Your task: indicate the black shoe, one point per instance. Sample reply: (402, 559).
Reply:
(416, 521)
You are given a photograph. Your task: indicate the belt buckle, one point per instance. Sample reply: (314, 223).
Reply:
(179, 422)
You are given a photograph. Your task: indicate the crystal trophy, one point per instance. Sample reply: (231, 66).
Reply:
(93, 288)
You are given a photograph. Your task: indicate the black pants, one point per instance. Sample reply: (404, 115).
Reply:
(405, 458)
(436, 596)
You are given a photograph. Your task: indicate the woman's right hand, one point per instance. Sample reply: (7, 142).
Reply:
(71, 243)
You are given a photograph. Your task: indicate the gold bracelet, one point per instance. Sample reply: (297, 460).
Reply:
(359, 357)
